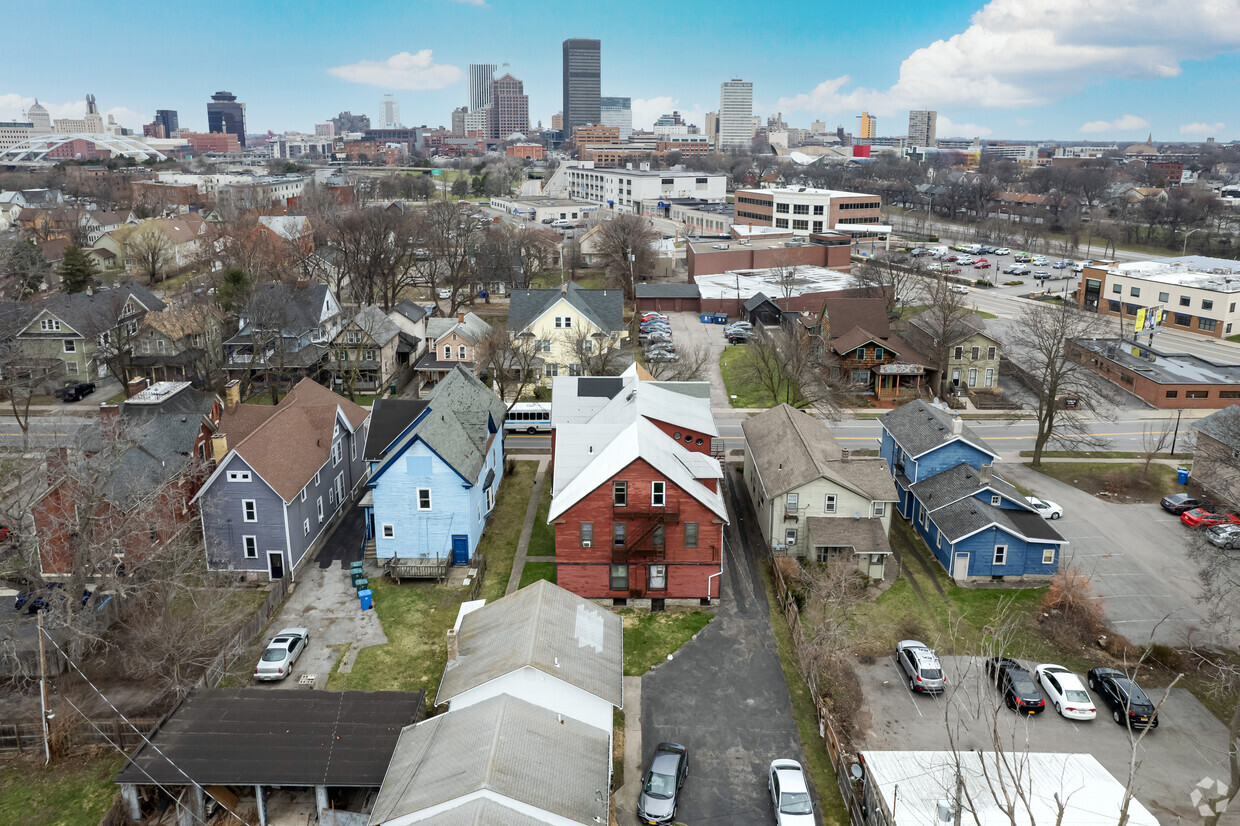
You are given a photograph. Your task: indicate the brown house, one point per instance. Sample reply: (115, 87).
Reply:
(182, 344)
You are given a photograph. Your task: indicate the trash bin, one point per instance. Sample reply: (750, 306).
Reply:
(362, 584)
(1182, 475)
(392, 388)
(365, 597)
(356, 576)
(708, 318)
(356, 567)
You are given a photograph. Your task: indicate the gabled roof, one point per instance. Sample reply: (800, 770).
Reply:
(375, 323)
(960, 482)
(854, 338)
(1222, 425)
(919, 428)
(604, 308)
(410, 310)
(178, 322)
(388, 419)
(545, 627)
(288, 227)
(968, 516)
(649, 400)
(481, 811)
(472, 328)
(505, 747)
(91, 313)
(757, 300)
(870, 313)
(790, 448)
(179, 229)
(966, 325)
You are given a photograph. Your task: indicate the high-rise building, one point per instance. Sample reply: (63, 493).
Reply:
(391, 112)
(922, 127)
(582, 97)
(480, 77)
(736, 125)
(224, 114)
(458, 120)
(169, 119)
(509, 109)
(615, 112)
(38, 116)
(868, 128)
(712, 126)
(325, 130)
(557, 121)
(818, 128)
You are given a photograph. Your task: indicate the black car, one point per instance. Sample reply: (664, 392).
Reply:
(75, 391)
(1129, 704)
(1020, 692)
(1179, 503)
(662, 782)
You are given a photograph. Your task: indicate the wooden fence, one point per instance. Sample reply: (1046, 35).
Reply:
(479, 564)
(27, 735)
(236, 646)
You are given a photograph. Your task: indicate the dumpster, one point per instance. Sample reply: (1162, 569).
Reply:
(365, 598)
(1181, 474)
(708, 318)
(362, 584)
(721, 318)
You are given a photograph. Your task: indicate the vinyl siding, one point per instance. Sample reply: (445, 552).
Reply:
(224, 522)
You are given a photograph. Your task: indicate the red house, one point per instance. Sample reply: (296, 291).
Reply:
(637, 500)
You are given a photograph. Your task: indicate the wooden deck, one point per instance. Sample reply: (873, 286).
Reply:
(433, 567)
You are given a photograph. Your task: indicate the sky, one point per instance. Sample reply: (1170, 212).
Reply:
(1063, 70)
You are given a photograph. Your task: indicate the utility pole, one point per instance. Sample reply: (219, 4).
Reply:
(1176, 434)
(47, 749)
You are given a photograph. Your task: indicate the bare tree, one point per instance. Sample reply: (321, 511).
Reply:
(512, 363)
(944, 326)
(599, 354)
(377, 253)
(449, 234)
(780, 364)
(149, 252)
(1155, 438)
(691, 364)
(625, 247)
(357, 350)
(264, 317)
(23, 375)
(897, 283)
(784, 268)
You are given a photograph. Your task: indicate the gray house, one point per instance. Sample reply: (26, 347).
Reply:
(282, 473)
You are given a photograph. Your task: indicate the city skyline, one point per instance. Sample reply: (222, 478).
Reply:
(1096, 73)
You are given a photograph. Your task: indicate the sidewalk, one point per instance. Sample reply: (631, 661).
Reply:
(527, 526)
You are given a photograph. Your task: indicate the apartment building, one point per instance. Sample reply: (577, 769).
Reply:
(642, 191)
(805, 210)
(1196, 293)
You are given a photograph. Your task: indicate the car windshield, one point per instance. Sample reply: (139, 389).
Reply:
(795, 803)
(1074, 696)
(274, 655)
(658, 785)
(931, 674)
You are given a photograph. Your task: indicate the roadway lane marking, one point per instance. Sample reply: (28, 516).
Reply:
(901, 683)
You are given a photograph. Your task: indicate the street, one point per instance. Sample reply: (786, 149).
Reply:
(45, 431)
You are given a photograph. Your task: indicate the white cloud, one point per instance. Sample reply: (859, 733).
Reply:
(126, 117)
(946, 128)
(401, 71)
(1127, 123)
(1206, 129)
(1020, 53)
(13, 106)
(647, 110)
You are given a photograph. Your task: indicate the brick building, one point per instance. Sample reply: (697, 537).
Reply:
(527, 151)
(219, 142)
(1163, 379)
(709, 257)
(595, 133)
(805, 210)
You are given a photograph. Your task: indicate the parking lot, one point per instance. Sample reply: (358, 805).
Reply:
(1188, 745)
(690, 333)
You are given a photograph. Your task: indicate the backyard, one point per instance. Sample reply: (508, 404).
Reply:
(742, 391)
(76, 791)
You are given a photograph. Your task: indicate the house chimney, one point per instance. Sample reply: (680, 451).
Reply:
(844, 454)
(985, 472)
(564, 288)
(232, 395)
(957, 425)
(136, 386)
(460, 316)
(451, 645)
(219, 447)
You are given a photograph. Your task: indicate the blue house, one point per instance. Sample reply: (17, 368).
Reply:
(435, 468)
(976, 523)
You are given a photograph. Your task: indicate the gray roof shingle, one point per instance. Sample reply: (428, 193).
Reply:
(1222, 425)
(968, 516)
(472, 328)
(961, 481)
(481, 811)
(605, 308)
(920, 427)
(865, 536)
(374, 322)
(668, 291)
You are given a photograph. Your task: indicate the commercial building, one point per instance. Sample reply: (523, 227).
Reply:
(527, 151)
(217, 142)
(14, 132)
(1161, 378)
(1195, 293)
(594, 133)
(711, 256)
(509, 110)
(701, 218)
(735, 123)
(616, 112)
(168, 118)
(922, 127)
(458, 119)
(544, 209)
(867, 128)
(225, 114)
(642, 191)
(39, 116)
(582, 97)
(728, 292)
(480, 77)
(390, 112)
(712, 126)
(806, 210)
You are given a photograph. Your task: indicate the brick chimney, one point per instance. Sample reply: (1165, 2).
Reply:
(985, 472)
(219, 446)
(136, 386)
(451, 645)
(844, 454)
(232, 395)
(460, 316)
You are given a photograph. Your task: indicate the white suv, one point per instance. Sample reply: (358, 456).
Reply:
(921, 666)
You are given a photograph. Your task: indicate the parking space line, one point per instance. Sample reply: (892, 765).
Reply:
(900, 684)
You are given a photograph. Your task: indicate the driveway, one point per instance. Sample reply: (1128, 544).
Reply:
(1136, 555)
(724, 697)
(688, 332)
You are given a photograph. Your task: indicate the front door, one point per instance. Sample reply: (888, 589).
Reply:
(460, 549)
(275, 564)
(960, 567)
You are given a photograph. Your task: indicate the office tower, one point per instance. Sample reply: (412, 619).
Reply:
(868, 129)
(91, 108)
(325, 130)
(818, 128)
(736, 126)
(224, 114)
(582, 59)
(390, 112)
(509, 109)
(711, 128)
(168, 117)
(39, 116)
(480, 77)
(922, 127)
(557, 121)
(615, 112)
(458, 120)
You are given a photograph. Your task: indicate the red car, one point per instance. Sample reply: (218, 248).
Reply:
(982, 265)
(1202, 518)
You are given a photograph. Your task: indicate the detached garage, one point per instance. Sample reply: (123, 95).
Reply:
(669, 298)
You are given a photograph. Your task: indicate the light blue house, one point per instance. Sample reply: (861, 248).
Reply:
(976, 523)
(435, 468)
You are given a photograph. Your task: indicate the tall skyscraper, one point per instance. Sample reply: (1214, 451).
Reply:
(480, 77)
(458, 120)
(736, 126)
(617, 112)
(91, 108)
(224, 114)
(39, 116)
(557, 121)
(582, 61)
(391, 112)
(509, 109)
(922, 127)
(711, 128)
(168, 117)
(867, 129)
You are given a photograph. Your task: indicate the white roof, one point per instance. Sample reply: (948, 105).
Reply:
(863, 227)
(748, 283)
(643, 399)
(1184, 273)
(925, 778)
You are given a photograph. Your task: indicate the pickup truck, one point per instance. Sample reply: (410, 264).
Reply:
(75, 391)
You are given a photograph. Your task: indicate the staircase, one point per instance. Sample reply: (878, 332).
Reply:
(369, 550)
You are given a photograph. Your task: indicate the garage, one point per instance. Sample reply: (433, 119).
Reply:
(668, 298)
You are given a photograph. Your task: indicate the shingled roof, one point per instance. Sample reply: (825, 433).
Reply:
(960, 482)
(604, 308)
(968, 516)
(920, 427)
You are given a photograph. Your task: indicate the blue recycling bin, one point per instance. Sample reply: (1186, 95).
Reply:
(721, 318)
(708, 318)
(365, 597)
(1181, 474)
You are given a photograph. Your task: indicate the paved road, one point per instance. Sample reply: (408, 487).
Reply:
(45, 431)
(724, 697)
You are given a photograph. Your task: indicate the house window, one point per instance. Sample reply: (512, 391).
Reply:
(800, 209)
(658, 578)
(1117, 288)
(553, 370)
(818, 209)
(793, 502)
(320, 508)
(70, 345)
(316, 478)
(781, 208)
(619, 534)
(1186, 301)
(658, 494)
(995, 500)
(447, 352)
(990, 377)
(878, 353)
(389, 531)
(619, 494)
(1134, 292)
(618, 578)
(490, 498)
(990, 353)
(238, 476)
(959, 353)
(658, 536)
(790, 537)
(1164, 297)
(691, 534)
(337, 454)
(800, 223)
(249, 510)
(1207, 304)
(424, 499)
(564, 322)
(49, 325)
(353, 451)
(1206, 325)
(460, 352)
(817, 224)
(587, 533)
(159, 345)
(880, 508)
(973, 377)
(1001, 554)
(250, 543)
(923, 517)
(829, 505)
(1048, 556)
(305, 526)
(824, 553)
(72, 367)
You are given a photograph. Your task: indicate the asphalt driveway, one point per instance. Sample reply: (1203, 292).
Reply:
(724, 697)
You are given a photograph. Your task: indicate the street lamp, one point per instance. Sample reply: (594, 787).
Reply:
(1190, 232)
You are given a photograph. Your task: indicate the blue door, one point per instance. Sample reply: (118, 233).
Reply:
(460, 549)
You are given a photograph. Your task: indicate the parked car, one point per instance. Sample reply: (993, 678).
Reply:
(661, 355)
(1129, 704)
(1202, 518)
(1178, 503)
(981, 265)
(41, 598)
(1020, 269)
(920, 664)
(443, 292)
(662, 782)
(1040, 261)
(917, 252)
(1226, 537)
(75, 391)
(1003, 251)
(1041, 275)
(1048, 509)
(283, 650)
(1066, 692)
(646, 316)
(1010, 270)
(959, 288)
(1023, 257)
(790, 794)
(1019, 691)
(1060, 265)
(965, 260)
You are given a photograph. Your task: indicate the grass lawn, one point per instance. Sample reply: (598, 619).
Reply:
(1121, 481)
(985, 314)
(1101, 454)
(75, 791)
(741, 394)
(542, 537)
(499, 540)
(1235, 338)
(118, 398)
(534, 571)
(909, 312)
(650, 636)
(588, 279)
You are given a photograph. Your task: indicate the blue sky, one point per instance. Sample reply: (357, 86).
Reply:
(1034, 69)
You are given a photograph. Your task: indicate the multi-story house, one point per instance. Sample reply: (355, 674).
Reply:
(975, 523)
(815, 500)
(451, 342)
(853, 337)
(364, 353)
(180, 344)
(282, 475)
(1216, 457)
(972, 356)
(435, 467)
(284, 330)
(566, 325)
(636, 499)
(411, 319)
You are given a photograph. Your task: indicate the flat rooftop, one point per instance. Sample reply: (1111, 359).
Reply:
(784, 240)
(1218, 274)
(643, 173)
(547, 202)
(1162, 367)
(747, 283)
(808, 190)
